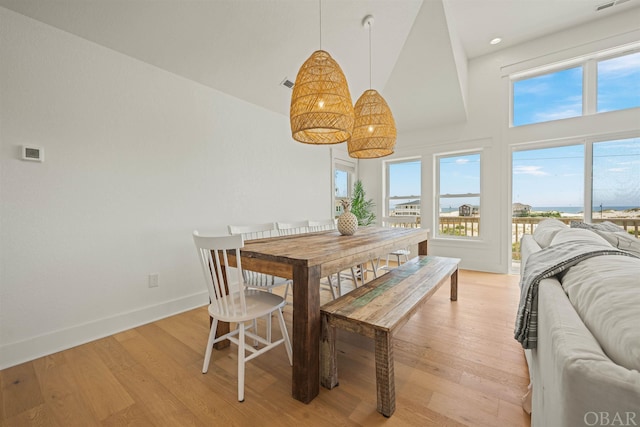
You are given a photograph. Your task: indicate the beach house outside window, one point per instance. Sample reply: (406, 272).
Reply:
(403, 188)
(458, 195)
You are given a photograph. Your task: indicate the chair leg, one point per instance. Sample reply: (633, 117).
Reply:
(353, 276)
(333, 293)
(241, 364)
(209, 349)
(269, 327)
(255, 331)
(285, 335)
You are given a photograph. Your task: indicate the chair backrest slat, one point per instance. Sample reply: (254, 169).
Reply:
(322, 225)
(212, 252)
(257, 231)
(291, 228)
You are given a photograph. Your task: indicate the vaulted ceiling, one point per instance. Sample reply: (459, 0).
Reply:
(246, 48)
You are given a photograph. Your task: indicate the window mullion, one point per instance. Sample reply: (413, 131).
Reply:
(590, 87)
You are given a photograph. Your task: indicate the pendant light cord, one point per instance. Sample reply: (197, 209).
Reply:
(370, 85)
(320, 7)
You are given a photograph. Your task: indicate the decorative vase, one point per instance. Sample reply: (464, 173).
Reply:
(347, 222)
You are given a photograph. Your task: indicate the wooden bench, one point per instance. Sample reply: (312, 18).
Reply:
(378, 310)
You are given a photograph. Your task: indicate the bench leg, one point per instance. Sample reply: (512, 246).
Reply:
(385, 380)
(454, 286)
(328, 355)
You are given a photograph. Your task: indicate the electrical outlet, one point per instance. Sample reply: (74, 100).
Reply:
(153, 280)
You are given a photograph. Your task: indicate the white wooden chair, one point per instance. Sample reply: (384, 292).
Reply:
(240, 306)
(404, 222)
(291, 228)
(254, 279)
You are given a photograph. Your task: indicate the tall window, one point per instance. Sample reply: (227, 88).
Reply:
(403, 188)
(343, 179)
(593, 181)
(552, 94)
(616, 179)
(548, 180)
(459, 195)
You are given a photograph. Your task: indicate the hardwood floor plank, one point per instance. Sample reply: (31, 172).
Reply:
(20, 390)
(95, 381)
(456, 364)
(60, 392)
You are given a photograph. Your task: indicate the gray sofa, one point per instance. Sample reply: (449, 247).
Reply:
(585, 368)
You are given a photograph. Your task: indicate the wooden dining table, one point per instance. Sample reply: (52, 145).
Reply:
(306, 258)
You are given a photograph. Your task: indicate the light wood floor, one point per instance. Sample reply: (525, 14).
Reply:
(456, 363)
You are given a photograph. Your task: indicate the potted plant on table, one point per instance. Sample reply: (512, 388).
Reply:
(361, 207)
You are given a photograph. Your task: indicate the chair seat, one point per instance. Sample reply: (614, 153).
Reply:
(401, 252)
(258, 304)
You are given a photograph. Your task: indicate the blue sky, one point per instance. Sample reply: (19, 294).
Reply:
(555, 177)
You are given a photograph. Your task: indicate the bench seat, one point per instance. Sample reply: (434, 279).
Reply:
(377, 310)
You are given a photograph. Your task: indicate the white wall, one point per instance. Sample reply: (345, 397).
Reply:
(487, 129)
(135, 159)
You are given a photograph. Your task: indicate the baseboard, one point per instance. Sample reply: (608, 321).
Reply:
(43, 345)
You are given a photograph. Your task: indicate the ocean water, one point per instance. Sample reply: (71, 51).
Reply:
(565, 209)
(578, 209)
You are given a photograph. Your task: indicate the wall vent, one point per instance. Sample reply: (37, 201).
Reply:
(287, 83)
(33, 153)
(609, 4)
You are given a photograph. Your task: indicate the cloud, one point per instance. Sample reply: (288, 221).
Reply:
(529, 170)
(620, 67)
(462, 161)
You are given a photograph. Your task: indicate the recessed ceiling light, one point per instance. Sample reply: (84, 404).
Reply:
(496, 40)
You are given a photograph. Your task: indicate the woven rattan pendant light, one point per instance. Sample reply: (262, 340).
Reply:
(321, 107)
(374, 131)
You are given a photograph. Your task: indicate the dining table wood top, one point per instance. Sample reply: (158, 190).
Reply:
(319, 248)
(306, 258)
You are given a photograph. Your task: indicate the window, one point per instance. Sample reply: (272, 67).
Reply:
(554, 182)
(551, 96)
(459, 195)
(619, 83)
(343, 179)
(403, 188)
(616, 179)
(553, 93)
(549, 180)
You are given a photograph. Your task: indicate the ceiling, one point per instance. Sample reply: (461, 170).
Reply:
(246, 48)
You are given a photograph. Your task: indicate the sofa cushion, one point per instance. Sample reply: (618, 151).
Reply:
(546, 231)
(605, 293)
(615, 235)
(574, 234)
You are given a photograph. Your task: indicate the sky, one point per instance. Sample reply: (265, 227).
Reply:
(554, 177)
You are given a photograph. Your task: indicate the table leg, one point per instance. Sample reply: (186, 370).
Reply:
(422, 247)
(306, 333)
(454, 286)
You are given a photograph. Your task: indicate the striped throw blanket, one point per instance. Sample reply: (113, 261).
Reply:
(543, 264)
